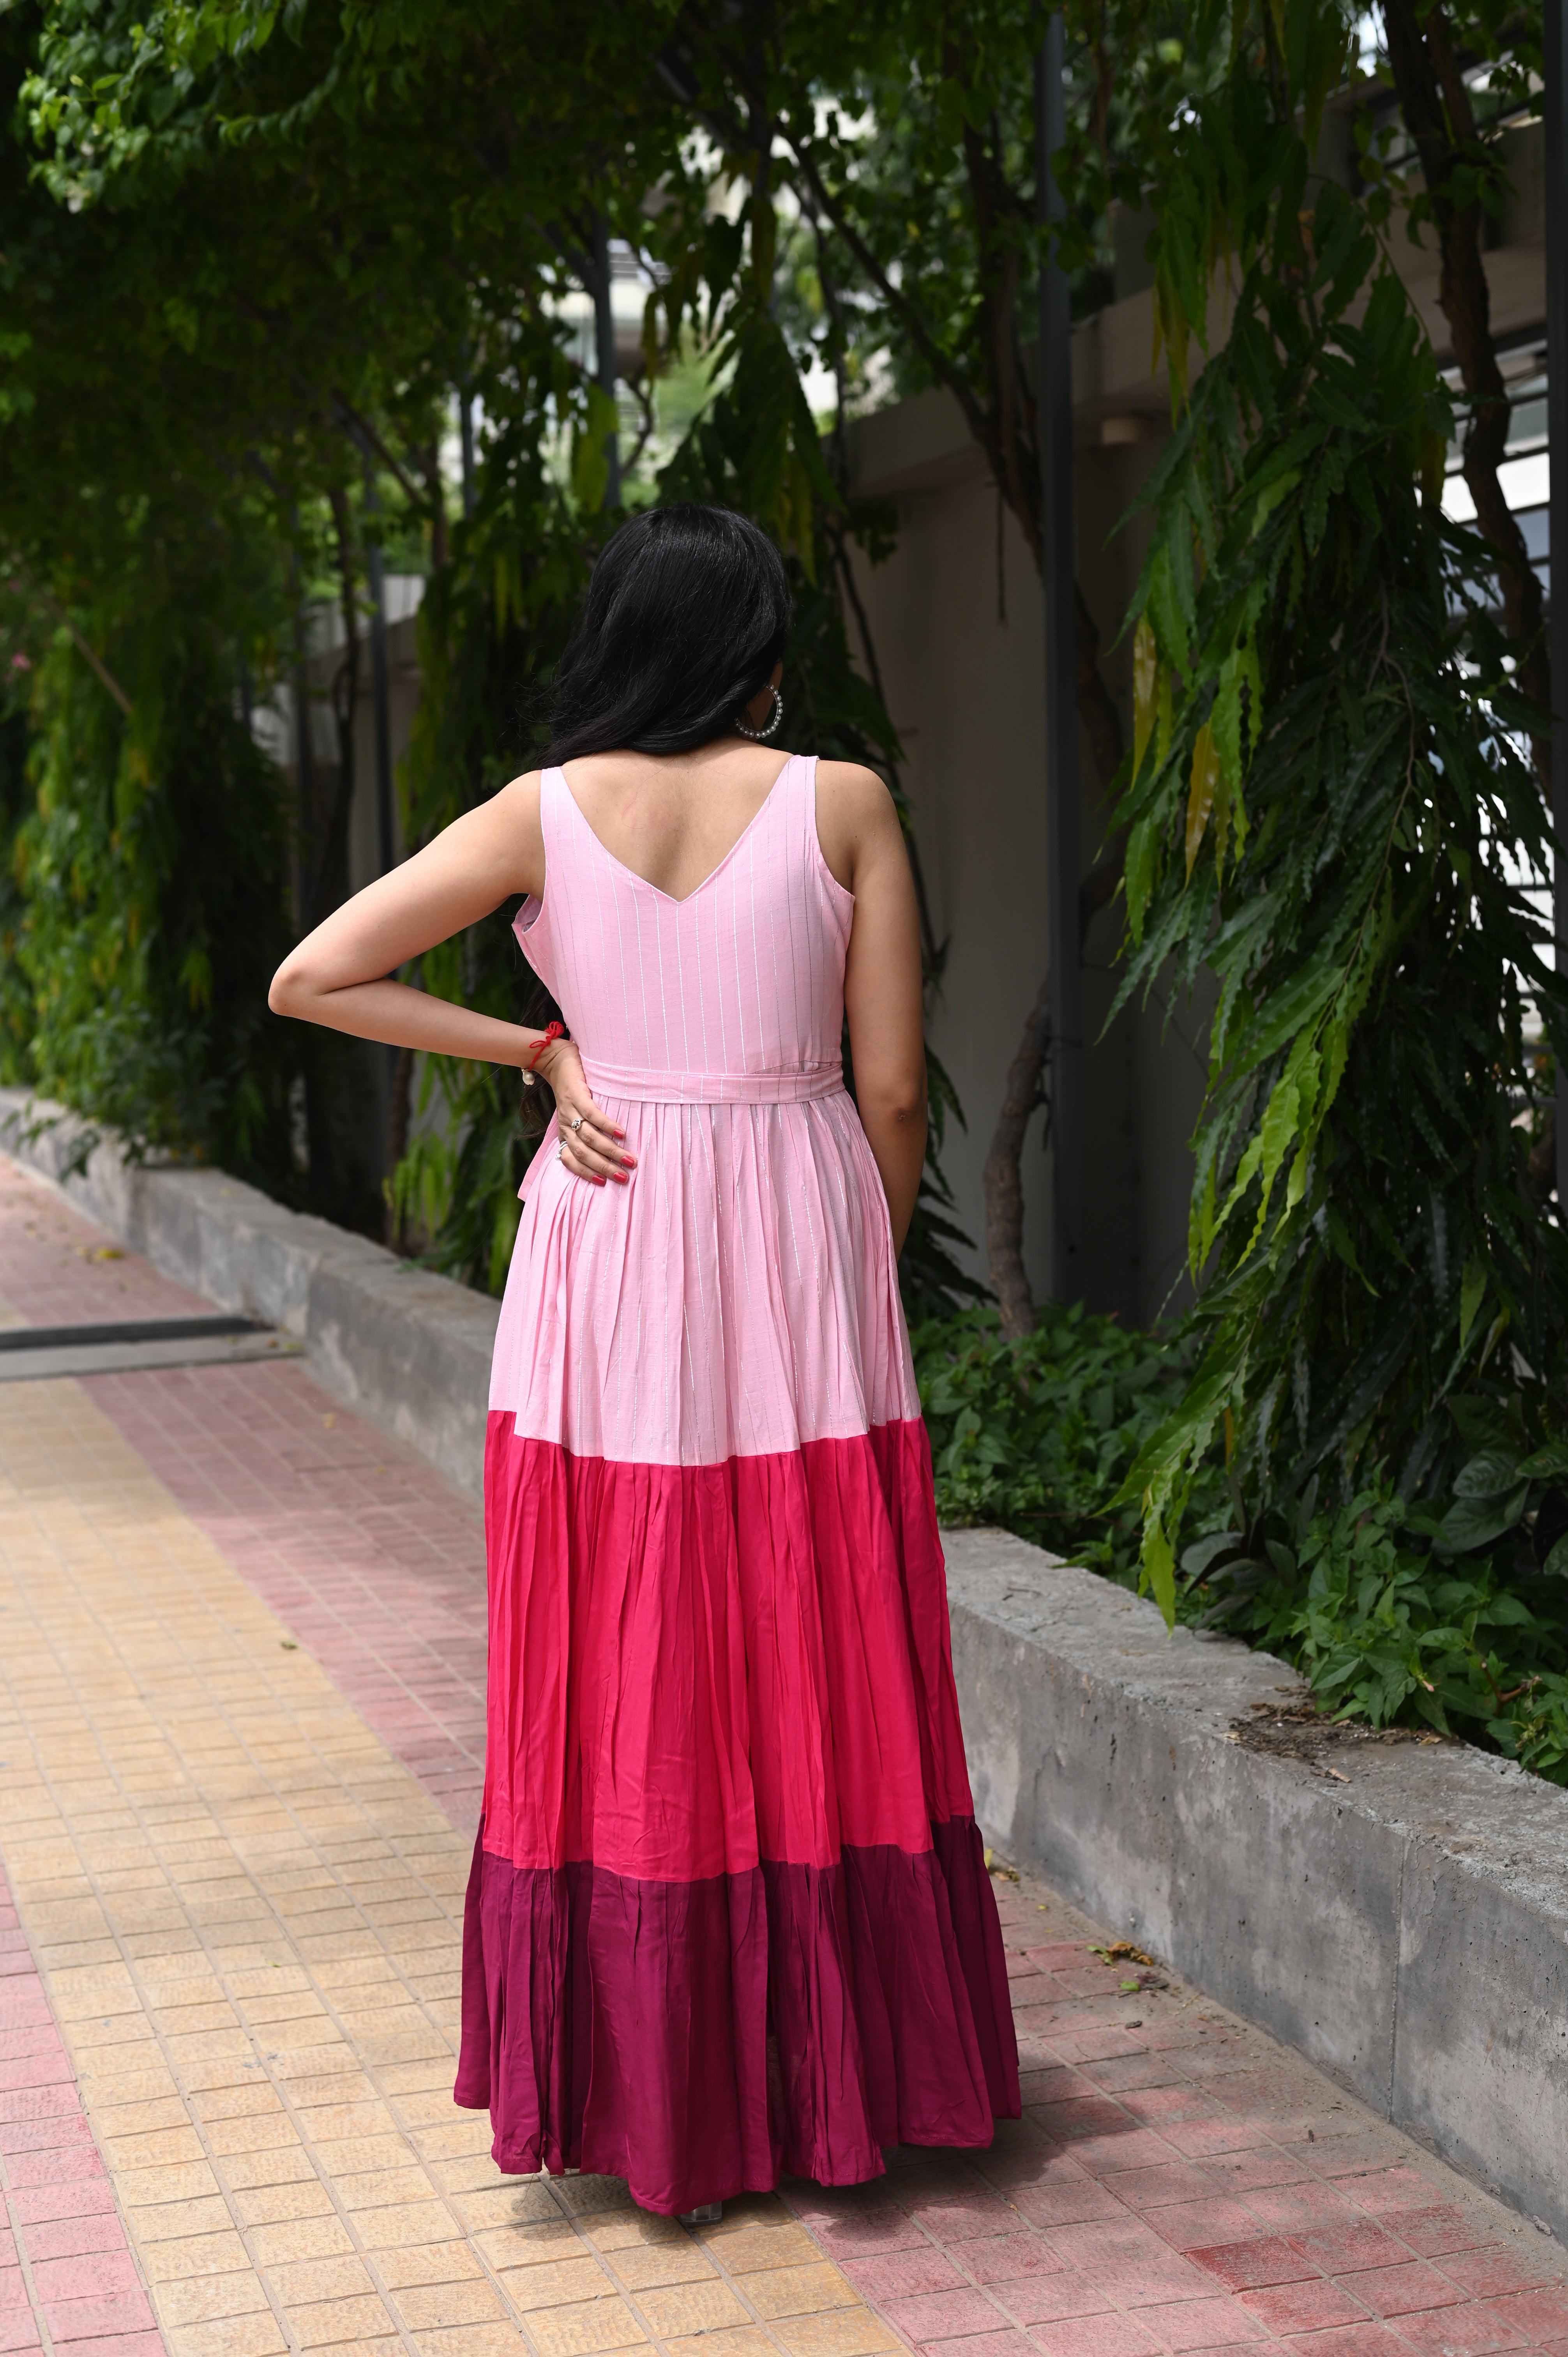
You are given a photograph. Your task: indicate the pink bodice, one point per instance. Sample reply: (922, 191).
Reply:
(733, 995)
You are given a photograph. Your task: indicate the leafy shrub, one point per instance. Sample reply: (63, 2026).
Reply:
(1392, 1613)
(1039, 1434)
(1384, 1628)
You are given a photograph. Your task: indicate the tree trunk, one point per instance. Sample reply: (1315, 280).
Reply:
(1004, 1182)
(337, 1098)
(1441, 121)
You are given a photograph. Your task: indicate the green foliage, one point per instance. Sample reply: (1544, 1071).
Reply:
(1039, 1434)
(1385, 1629)
(152, 907)
(1328, 806)
(1387, 1623)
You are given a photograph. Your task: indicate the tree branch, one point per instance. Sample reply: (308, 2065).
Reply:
(58, 615)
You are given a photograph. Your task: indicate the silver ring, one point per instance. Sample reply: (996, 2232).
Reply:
(575, 1123)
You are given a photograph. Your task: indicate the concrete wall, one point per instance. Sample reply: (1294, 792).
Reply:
(1400, 1916)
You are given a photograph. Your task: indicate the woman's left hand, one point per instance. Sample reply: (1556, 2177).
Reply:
(590, 1141)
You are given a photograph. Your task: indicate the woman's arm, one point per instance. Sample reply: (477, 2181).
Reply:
(863, 844)
(340, 974)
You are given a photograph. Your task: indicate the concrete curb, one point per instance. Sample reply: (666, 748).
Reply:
(411, 1349)
(1407, 1929)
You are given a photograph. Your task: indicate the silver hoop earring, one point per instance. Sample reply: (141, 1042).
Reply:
(757, 736)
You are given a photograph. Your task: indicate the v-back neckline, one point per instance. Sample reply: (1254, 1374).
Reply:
(713, 873)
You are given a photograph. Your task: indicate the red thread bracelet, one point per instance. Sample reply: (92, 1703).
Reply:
(551, 1031)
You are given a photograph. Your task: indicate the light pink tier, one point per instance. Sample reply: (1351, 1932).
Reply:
(740, 1296)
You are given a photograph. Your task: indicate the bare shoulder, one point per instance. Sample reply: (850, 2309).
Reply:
(849, 789)
(856, 817)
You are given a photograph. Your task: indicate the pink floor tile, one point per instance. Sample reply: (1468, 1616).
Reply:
(1538, 2315)
(1308, 2307)
(1334, 2250)
(1004, 2258)
(1208, 2224)
(943, 2315)
(1008, 2342)
(1401, 2290)
(900, 2275)
(1165, 2182)
(1491, 2274)
(1093, 2336)
(1472, 2330)
(1351, 2341)
(1203, 2324)
(1050, 2299)
(966, 2219)
(1245, 2266)
(1433, 2233)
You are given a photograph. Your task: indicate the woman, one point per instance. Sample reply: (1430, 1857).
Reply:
(729, 1914)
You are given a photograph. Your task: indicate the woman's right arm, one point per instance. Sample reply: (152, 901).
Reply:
(341, 975)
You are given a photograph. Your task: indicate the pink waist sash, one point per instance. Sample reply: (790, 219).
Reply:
(643, 1086)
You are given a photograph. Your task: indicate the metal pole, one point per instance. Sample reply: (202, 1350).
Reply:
(605, 346)
(1554, 110)
(466, 439)
(385, 838)
(305, 750)
(1061, 682)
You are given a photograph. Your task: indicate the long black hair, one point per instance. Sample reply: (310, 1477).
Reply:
(685, 616)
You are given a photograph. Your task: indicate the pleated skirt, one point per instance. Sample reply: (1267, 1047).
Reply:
(729, 1915)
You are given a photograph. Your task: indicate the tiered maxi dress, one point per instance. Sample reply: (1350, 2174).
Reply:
(729, 1915)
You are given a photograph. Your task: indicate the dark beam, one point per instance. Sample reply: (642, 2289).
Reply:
(1061, 691)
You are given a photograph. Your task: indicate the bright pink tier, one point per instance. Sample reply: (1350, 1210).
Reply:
(729, 1914)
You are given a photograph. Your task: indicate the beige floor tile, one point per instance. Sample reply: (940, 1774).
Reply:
(850, 2332)
(428, 2263)
(139, 2187)
(582, 2197)
(798, 2291)
(743, 2340)
(674, 2310)
(528, 2244)
(252, 2132)
(300, 2282)
(406, 2225)
(354, 2156)
(428, 2307)
(267, 2205)
(640, 2266)
(555, 2283)
(754, 2248)
(325, 2237)
(614, 2230)
(330, 2322)
(234, 2336)
(585, 2330)
(473, 2340)
(378, 2187)
(202, 2298)
(177, 2220)
(182, 2258)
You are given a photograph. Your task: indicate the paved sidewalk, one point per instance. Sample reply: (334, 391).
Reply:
(241, 1733)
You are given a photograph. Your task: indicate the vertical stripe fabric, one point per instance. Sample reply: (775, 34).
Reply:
(729, 1914)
